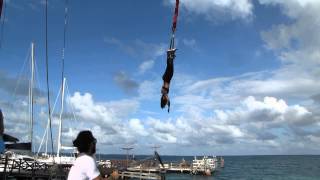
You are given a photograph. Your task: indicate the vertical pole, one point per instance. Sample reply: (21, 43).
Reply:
(31, 93)
(127, 158)
(5, 168)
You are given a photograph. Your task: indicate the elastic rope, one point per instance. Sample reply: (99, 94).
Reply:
(174, 24)
(2, 23)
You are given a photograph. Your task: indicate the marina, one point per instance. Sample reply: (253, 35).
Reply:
(27, 167)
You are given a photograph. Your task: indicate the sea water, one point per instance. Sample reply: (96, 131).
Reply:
(304, 167)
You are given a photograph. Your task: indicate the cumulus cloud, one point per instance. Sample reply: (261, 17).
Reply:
(211, 9)
(16, 124)
(106, 118)
(88, 109)
(296, 42)
(262, 120)
(137, 127)
(252, 122)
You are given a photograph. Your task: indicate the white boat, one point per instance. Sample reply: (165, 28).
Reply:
(206, 165)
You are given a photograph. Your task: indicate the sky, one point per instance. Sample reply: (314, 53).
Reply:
(246, 78)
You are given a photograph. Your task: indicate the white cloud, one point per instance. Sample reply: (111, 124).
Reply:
(105, 113)
(296, 42)
(293, 8)
(217, 9)
(108, 119)
(149, 90)
(138, 128)
(146, 65)
(87, 109)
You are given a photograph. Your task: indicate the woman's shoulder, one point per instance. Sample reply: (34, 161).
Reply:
(86, 158)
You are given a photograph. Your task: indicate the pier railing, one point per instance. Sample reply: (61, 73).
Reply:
(30, 168)
(140, 175)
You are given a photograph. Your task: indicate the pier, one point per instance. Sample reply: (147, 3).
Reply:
(151, 168)
(31, 169)
(141, 175)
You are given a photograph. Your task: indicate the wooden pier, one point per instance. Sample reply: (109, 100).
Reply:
(140, 175)
(31, 169)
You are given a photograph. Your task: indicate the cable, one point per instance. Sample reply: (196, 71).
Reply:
(64, 46)
(2, 23)
(47, 77)
(64, 37)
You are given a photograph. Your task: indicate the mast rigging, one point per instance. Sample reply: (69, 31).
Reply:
(47, 74)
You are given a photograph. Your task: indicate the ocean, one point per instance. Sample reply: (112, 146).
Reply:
(279, 167)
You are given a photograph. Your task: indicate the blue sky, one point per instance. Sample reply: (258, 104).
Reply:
(245, 82)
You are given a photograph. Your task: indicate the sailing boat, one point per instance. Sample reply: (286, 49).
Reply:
(58, 158)
(27, 146)
(23, 151)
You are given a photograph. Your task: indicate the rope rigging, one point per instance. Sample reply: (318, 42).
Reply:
(64, 45)
(64, 38)
(47, 73)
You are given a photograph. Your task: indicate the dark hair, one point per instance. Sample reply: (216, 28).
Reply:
(83, 141)
(163, 101)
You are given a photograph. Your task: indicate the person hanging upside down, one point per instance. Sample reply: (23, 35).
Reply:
(166, 77)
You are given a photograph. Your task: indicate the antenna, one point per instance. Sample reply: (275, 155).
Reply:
(155, 147)
(127, 149)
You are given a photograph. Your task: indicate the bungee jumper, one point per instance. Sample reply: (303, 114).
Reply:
(167, 76)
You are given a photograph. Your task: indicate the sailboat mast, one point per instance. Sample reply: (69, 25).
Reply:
(63, 79)
(60, 121)
(31, 93)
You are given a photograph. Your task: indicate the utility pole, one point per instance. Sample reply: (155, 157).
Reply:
(155, 147)
(127, 149)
